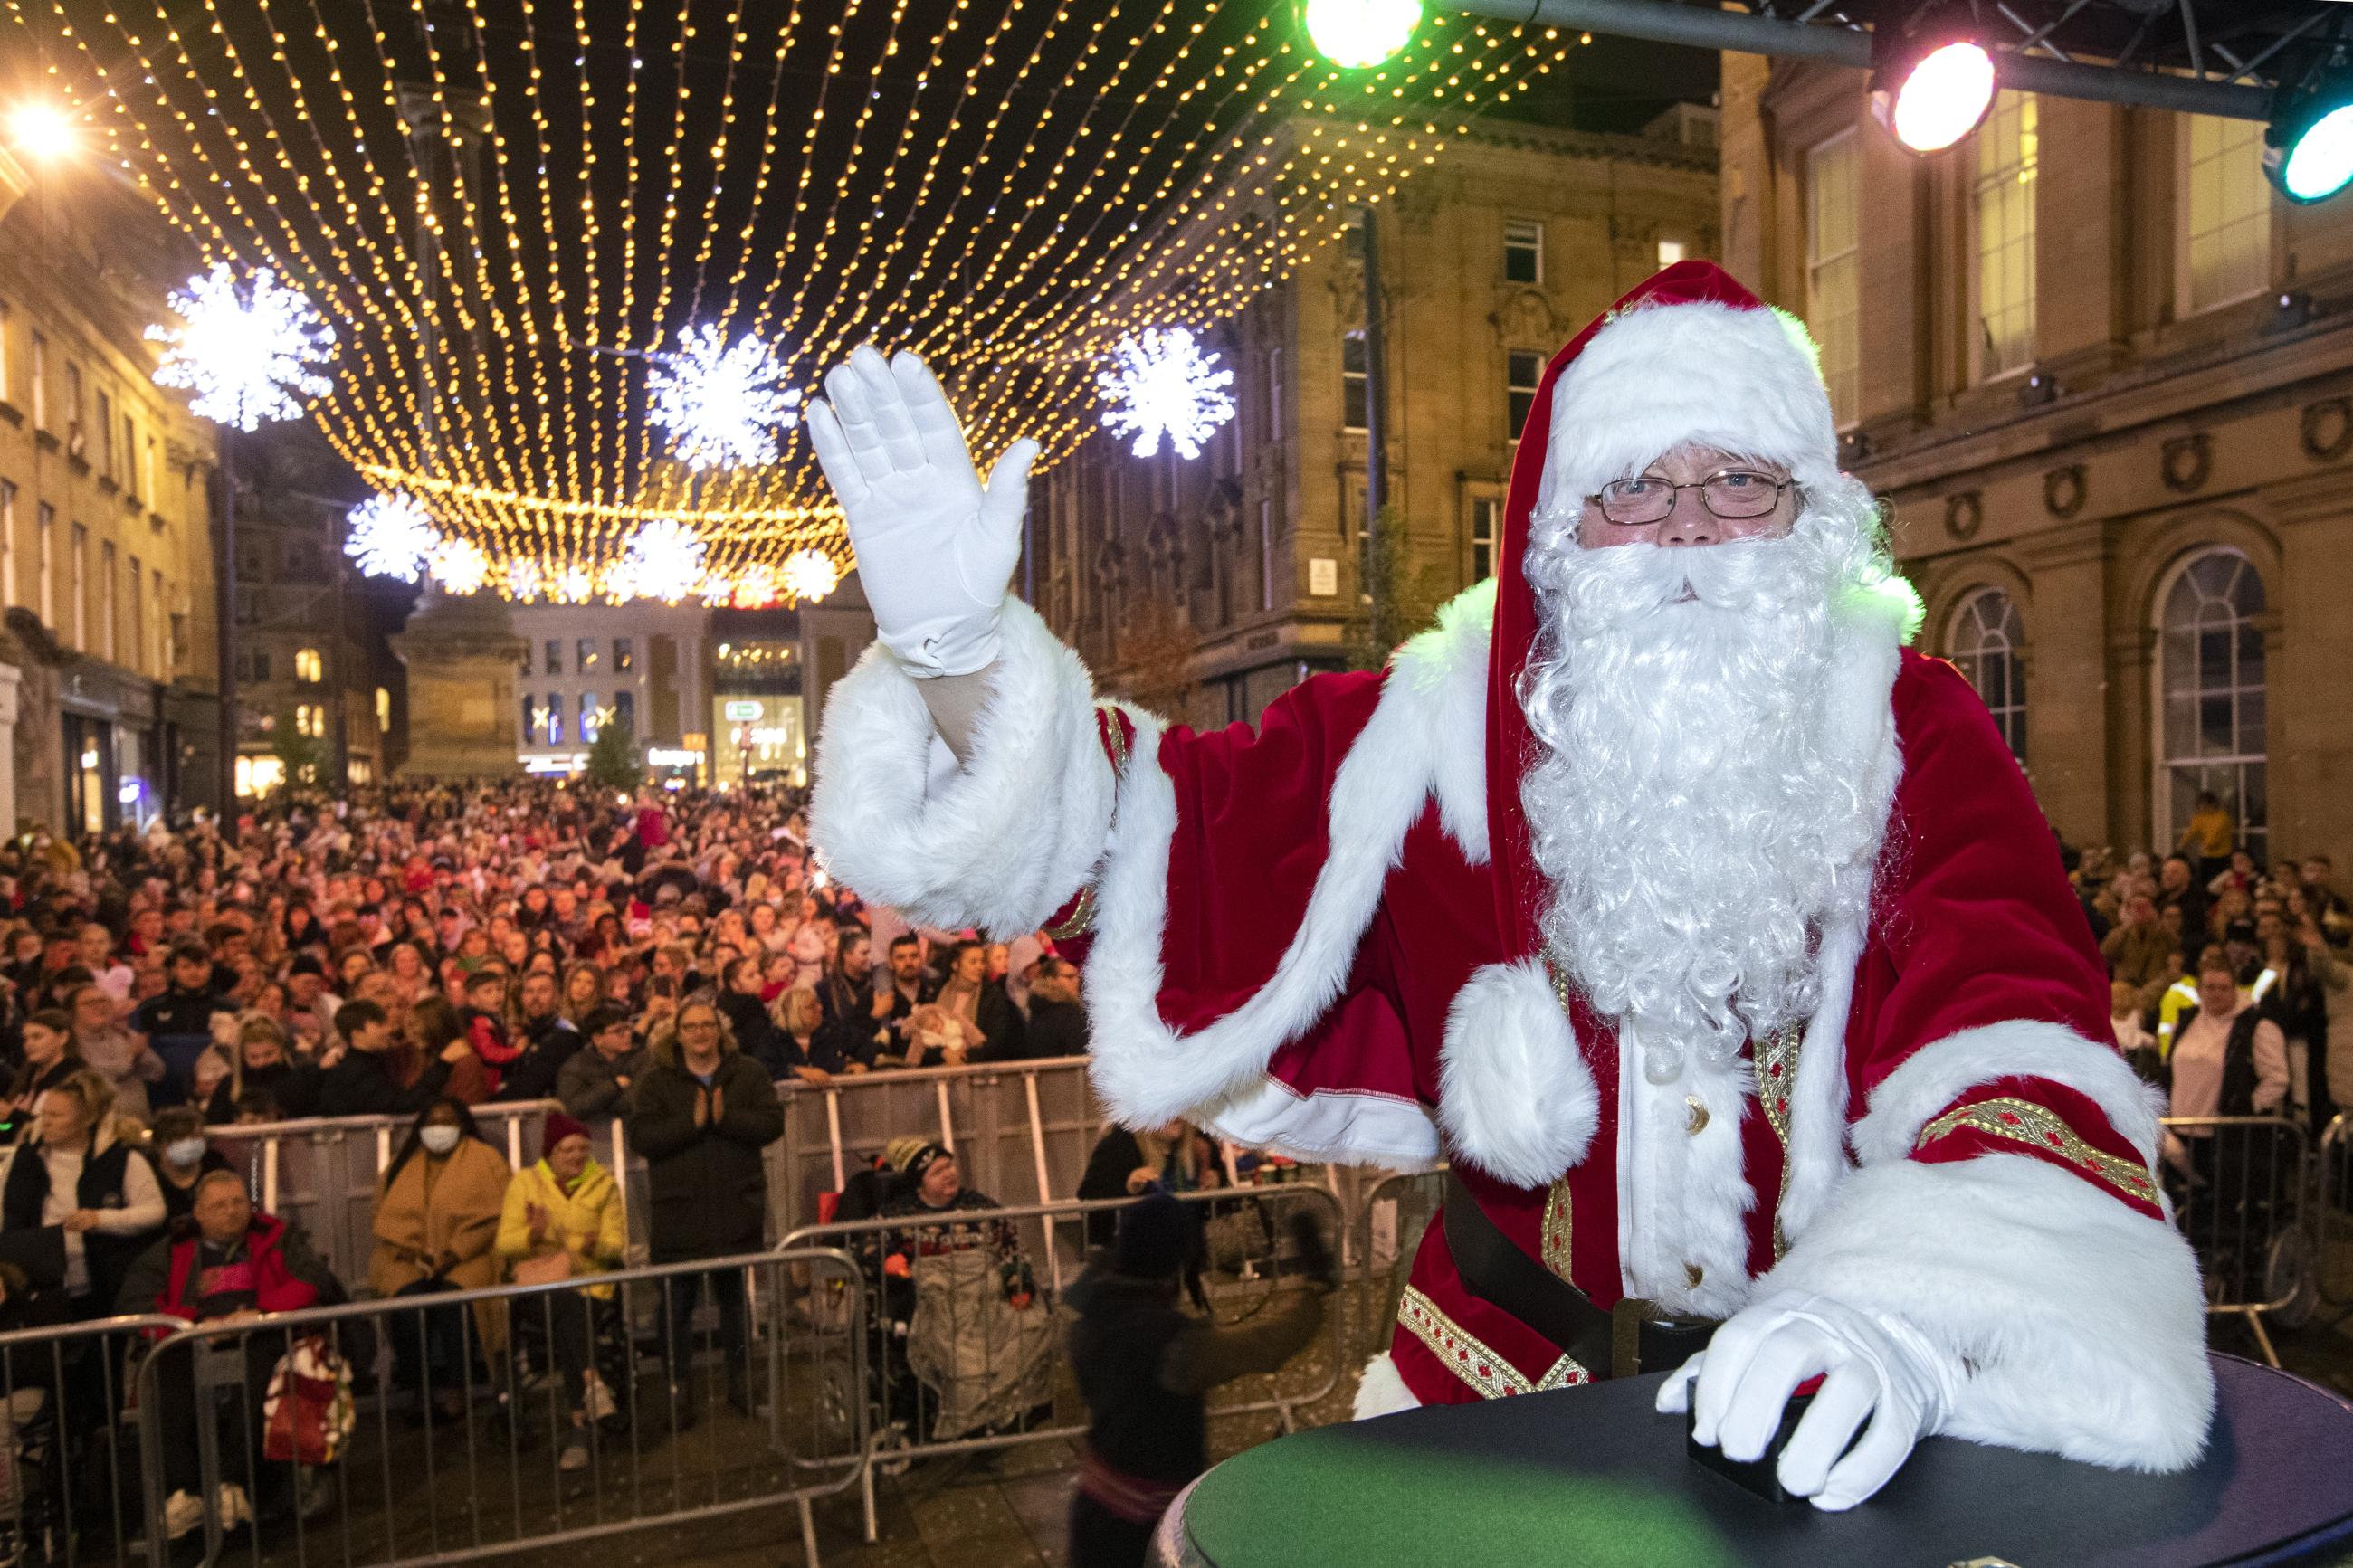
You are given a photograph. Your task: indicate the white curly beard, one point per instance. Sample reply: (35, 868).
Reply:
(1695, 831)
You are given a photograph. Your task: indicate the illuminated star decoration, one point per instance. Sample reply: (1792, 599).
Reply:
(524, 579)
(664, 561)
(810, 575)
(459, 565)
(251, 353)
(722, 405)
(390, 536)
(1163, 383)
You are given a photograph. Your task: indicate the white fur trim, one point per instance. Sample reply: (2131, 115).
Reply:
(1444, 671)
(1515, 1095)
(1685, 1196)
(1346, 1127)
(2080, 1322)
(1657, 376)
(1818, 1098)
(1937, 1074)
(1000, 843)
(1146, 1072)
(1381, 1391)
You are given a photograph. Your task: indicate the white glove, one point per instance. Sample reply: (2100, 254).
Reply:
(1879, 1368)
(934, 550)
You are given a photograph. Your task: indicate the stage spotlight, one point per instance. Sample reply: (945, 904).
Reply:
(1930, 94)
(40, 130)
(2308, 147)
(1353, 34)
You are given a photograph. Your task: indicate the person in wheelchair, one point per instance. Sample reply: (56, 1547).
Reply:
(565, 1219)
(2228, 1060)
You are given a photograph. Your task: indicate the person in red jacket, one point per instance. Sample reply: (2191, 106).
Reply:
(234, 1266)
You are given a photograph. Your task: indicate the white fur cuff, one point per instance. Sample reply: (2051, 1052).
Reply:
(1000, 843)
(1939, 1073)
(1515, 1096)
(1381, 1391)
(2080, 1322)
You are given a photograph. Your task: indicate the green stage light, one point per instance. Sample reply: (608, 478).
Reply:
(2308, 152)
(1353, 34)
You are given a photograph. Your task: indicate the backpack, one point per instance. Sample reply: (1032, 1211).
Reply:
(308, 1415)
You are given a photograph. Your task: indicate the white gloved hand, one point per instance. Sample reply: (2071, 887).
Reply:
(1878, 1368)
(934, 550)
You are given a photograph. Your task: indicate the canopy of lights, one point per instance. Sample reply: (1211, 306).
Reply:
(571, 269)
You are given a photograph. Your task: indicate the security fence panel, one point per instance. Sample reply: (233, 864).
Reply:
(2238, 1186)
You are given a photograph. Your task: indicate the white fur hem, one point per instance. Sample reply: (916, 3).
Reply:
(1146, 1072)
(2079, 1321)
(1381, 1391)
(1937, 1074)
(1329, 1126)
(1000, 843)
(1514, 1094)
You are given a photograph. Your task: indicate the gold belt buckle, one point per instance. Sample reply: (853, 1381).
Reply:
(1626, 1321)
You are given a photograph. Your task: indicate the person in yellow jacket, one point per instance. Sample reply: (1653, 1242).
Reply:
(564, 1216)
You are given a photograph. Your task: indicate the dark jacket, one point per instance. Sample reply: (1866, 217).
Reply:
(180, 1201)
(1001, 1021)
(1056, 1028)
(178, 1012)
(1144, 1367)
(362, 1085)
(586, 1084)
(757, 1035)
(104, 1169)
(547, 1044)
(707, 1185)
(293, 1084)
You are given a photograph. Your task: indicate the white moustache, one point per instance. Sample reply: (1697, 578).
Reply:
(1613, 589)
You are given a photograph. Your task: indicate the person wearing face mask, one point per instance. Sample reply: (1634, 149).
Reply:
(437, 1223)
(176, 1148)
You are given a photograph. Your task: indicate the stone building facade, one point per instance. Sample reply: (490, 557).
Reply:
(2105, 379)
(108, 701)
(1207, 588)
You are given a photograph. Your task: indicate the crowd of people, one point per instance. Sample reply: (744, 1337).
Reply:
(669, 958)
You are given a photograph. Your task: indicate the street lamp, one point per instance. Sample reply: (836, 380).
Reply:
(250, 349)
(1354, 33)
(39, 129)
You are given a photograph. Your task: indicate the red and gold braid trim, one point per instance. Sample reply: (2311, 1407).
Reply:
(2023, 1121)
(1465, 1355)
(1111, 730)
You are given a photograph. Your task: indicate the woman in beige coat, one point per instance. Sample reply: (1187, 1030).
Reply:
(437, 1226)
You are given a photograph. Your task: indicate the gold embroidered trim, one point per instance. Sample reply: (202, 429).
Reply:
(1116, 737)
(2023, 1121)
(1555, 1232)
(1081, 920)
(1774, 1060)
(1469, 1358)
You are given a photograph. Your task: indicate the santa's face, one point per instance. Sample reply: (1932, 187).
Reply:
(1692, 495)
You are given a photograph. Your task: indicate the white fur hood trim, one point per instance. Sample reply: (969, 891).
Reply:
(1381, 1391)
(1515, 1095)
(1430, 717)
(1000, 843)
(2080, 1319)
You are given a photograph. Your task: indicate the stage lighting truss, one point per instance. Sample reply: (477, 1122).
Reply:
(516, 213)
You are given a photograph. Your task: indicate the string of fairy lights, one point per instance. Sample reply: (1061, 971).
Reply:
(583, 275)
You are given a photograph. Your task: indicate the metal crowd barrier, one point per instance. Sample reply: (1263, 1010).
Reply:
(410, 1487)
(1389, 1223)
(2239, 1190)
(2332, 1211)
(70, 1475)
(957, 1362)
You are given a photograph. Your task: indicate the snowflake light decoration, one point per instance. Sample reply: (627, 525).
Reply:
(249, 352)
(459, 566)
(1163, 383)
(810, 575)
(573, 587)
(524, 579)
(390, 536)
(721, 405)
(754, 588)
(664, 561)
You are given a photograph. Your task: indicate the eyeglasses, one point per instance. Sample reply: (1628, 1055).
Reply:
(1733, 494)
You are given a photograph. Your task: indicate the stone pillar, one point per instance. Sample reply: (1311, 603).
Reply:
(2310, 740)
(11, 678)
(461, 654)
(2066, 679)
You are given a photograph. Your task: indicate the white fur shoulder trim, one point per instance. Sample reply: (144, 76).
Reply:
(2080, 1319)
(1939, 1073)
(1000, 843)
(1430, 716)
(1380, 1390)
(1332, 1127)
(1514, 1094)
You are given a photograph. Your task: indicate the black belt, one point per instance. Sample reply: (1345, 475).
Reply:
(1631, 1337)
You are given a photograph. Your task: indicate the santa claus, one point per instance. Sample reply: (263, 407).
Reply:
(1713, 937)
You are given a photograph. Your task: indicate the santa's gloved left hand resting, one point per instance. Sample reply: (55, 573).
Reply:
(1874, 1368)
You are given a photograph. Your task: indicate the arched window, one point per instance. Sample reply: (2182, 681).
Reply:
(1987, 641)
(2210, 695)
